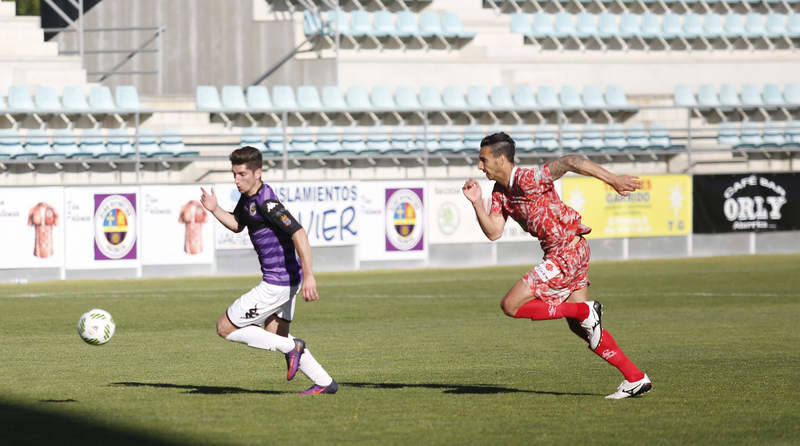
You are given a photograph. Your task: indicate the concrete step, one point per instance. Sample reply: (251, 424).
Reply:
(57, 73)
(26, 45)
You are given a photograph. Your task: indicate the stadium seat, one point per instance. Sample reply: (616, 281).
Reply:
(479, 104)
(361, 30)
(260, 106)
(752, 103)
(636, 137)
(792, 133)
(207, 99)
(543, 32)
(353, 141)
(92, 143)
(791, 93)
(382, 101)
(384, 29)
(401, 140)
(756, 32)
(608, 31)
(735, 31)
(750, 135)
(454, 32)
(473, 135)
(431, 100)
(714, 31)
(77, 108)
(171, 144)
(672, 32)
(251, 136)
(276, 141)
(503, 105)
(430, 29)
(570, 137)
(301, 142)
(773, 134)
(310, 105)
(48, 107)
(564, 31)
(630, 31)
(617, 103)
(693, 32)
(408, 105)
(283, 99)
(586, 31)
(593, 100)
(592, 138)
(335, 105)
(11, 145)
(359, 105)
(127, 99)
(37, 143)
(708, 102)
(377, 141)
(571, 102)
(614, 137)
(144, 141)
(408, 30)
(456, 105)
(660, 139)
(235, 106)
(545, 138)
(20, 100)
(65, 145)
(547, 98)
(682, 96)
(118, 143)
(729, 102)
(328, 141)
(525, 102)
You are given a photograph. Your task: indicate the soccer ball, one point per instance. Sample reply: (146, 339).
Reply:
(96, 326)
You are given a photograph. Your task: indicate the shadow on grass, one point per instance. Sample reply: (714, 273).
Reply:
(203, 390)
(461, 389)
(30, 425)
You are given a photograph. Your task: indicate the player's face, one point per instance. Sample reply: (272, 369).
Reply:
(247, 181)
(489, 164)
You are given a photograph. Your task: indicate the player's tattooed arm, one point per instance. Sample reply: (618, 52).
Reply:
(568, 163)
(623, 184)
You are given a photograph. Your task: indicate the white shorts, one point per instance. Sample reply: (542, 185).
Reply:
(264, 300)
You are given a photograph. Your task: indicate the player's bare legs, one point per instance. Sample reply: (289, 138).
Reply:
(636, 382)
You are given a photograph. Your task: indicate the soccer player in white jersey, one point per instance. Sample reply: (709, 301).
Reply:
(276, 235)
(557, 287)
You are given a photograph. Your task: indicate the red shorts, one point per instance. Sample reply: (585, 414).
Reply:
(560, 274)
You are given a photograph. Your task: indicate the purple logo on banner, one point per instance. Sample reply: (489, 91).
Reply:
(404, 219)
(114, 226)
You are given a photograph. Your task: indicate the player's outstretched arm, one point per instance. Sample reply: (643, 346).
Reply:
(623, 184)
(209, 201)
(491, 224)
(303, 247)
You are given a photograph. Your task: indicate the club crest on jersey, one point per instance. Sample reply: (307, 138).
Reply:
(252, 209)
(285, 220)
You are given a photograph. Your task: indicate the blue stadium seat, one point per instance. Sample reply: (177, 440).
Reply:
(714, 31)
(773, 135)
(473, 135)
(423, 140)
(547, 98)
(430, 28)
(614, 137)
(592, 99)
(728, 134)
(37, 143)
(636, 137)
(693, 32)
(752, 103)
(524, 97)
(251, 136)
(408, 104)
(453, 30)
(564, 31)
(206, 98)
(570, 100)
(234, 103)
(771, 95)
(408, 30)
(650, 29)
(750, 135)
(777, 31)
(570, 137)
(310, 105)
(479, 104)
(11, 145)
(708, 102)
(92, 143)
(127, 99)
(353, 141)
(377, 140)
(431, 100)
(543, 32)
(359, 105)
(608, 32)
(660, 139)
(283, 99)
(586, 31)
(382, 101)
(384, 29)
(335, 105)
(523, 138)
(259, 105)
(630, 30)
(545, 138)
(682, 96)
(503, 105)
(74, 101)
(275, 141)
(791, 93)
(301, 142)
(792, 133)
(451, 140)
(328, 141)
(672, 31)
(65, 145)
(118, 144)
(401, 140)
(592, 138)
(521, 24)
(48, 107)
(756, 32)
(145, 142)
(735, 31)
(361, 30)
(171, 144)
(19, 99)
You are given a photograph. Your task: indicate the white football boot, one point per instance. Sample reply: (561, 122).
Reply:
(591, 325)
(628, 389)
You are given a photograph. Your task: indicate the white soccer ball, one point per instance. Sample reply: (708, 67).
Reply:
(96, 326)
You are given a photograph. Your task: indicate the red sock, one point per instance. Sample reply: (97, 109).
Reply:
(539, 311)
(609, 351)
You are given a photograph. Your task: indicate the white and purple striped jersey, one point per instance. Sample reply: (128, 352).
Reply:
(270, 237)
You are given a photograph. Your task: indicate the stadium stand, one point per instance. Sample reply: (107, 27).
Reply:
(650, 31)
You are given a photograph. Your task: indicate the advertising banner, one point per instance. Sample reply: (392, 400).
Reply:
(452, 219)
(103, 227)
(175, 226)
(661, 208)
(746, 202)
(328, 211)
(32, 227)
(392, 220)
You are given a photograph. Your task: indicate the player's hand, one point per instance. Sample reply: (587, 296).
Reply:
(310, 288)
(209, 201)
(625, 184)
(472, 190)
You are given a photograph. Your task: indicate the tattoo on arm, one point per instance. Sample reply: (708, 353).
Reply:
(568, 163)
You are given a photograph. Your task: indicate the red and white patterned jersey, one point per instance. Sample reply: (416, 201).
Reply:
(532, 202)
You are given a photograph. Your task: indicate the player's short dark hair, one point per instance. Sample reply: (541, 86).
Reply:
(249, 156)
(501, 144)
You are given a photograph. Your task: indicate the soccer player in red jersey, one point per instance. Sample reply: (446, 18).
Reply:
(557, 287)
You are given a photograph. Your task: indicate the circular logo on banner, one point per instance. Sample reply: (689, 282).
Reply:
(448, 218)
(404, 219)
(115, 226)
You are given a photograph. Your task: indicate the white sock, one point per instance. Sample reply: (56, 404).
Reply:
(313, 369)
(259, 338)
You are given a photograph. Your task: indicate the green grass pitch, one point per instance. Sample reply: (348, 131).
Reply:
(422, 357)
